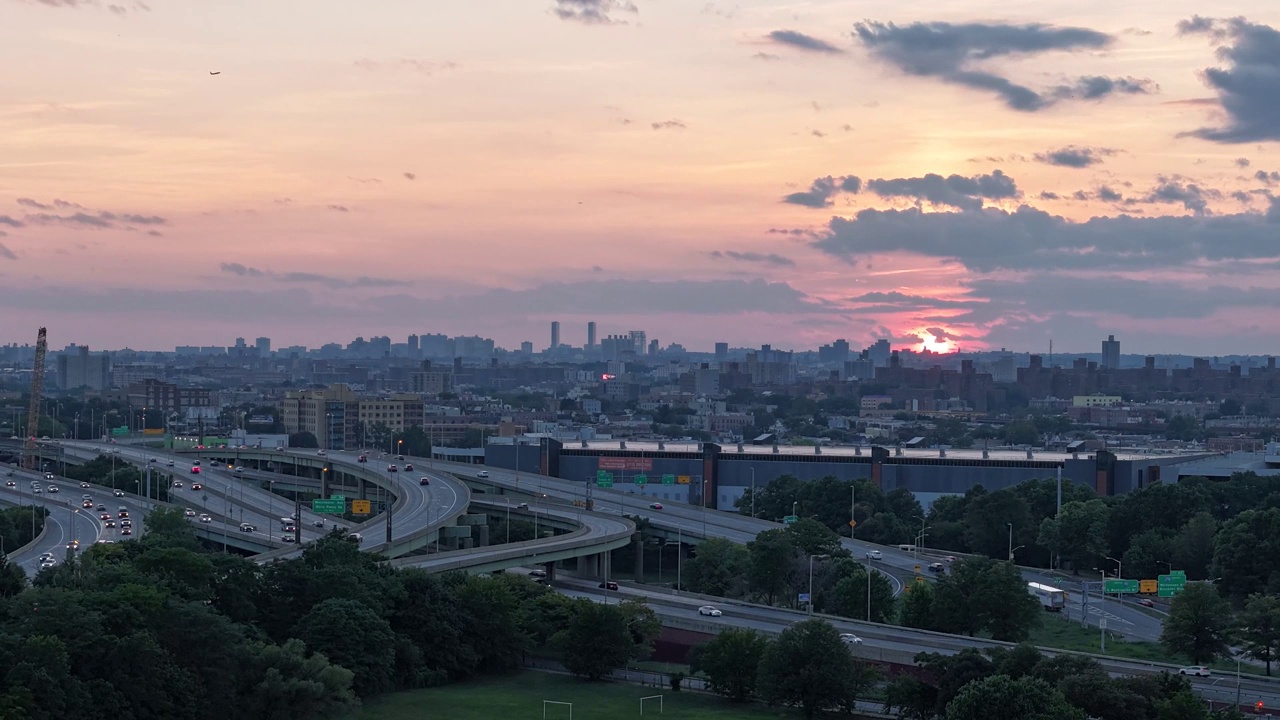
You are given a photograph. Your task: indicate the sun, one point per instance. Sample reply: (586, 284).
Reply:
(930, 341)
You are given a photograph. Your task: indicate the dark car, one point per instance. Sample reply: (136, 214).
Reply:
(610, 585)
(408, 467)
(937, 567)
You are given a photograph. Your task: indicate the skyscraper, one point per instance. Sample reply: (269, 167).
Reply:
(1111, 352)
(555, 334)
(591, 335)
(637, 341)
(264, 346)
(722, 351)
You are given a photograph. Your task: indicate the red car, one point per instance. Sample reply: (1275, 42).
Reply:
(195, 469)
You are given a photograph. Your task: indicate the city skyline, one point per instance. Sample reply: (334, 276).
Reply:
(753, 172)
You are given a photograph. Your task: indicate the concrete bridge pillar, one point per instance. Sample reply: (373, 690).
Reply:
(482, 535)
(638, 542)
(589, 565)
(324, 481)
(606, 565)
(551, 571)
(363, 489)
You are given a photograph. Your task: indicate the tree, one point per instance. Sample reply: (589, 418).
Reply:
(983, 594)
(288, 683)
(809, 666)
(1001, 698)
(352, 635)
(730, 662)
(1148, 554)
(597, 640)
(814, 538)
(1259, 627)
(1079, 534)
(717, 568)
(13, 579)
(917, 606)
(1198, 624)
(303, 439)
(987, 520)
(851, 597)
(772, 564)
(1246, 552)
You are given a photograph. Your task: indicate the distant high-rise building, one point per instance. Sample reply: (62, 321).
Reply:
(836, 352)
(722, 351)
(637, 341)
(653, 346)
(879, 353)
(1111, 352)
(526, 348)
(264, 346)
(413, 345)
(591, 335)
(555, 334)
(78, 368)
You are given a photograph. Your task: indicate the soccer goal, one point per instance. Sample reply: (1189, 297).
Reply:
(545, 703)
(651, 697)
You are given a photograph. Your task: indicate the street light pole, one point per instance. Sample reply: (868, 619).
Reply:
(1010, 541)
(753, 492)
(868, 592)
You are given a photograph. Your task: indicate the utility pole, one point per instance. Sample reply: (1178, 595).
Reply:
(388, 504)
(853, 526)
(297, 525)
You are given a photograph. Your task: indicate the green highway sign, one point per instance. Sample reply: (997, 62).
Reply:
(790, 519)
(1178, 574)
(641, 479)
(668, 479)
(604, 479)
(1119, 586)
(1171, 584)
(123, 430)
(332, 506)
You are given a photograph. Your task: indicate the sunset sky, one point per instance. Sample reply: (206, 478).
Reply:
(962, 174)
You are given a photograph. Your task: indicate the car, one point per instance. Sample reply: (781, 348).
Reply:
(109, 523)
(88, 504)
(115, 451)
(363, 459)
(318, 523)
(118, 493)
(195, 469)
(169, 463)
(85, 485)
(126, 523)
(1147, 602)
(205, 518)
(850, 639)
(37, 491)
(279, 448)
(710, 610)
(11, 484)
(874, 555)
(522, 506)
(537, 573)
(104, 516)
(48, 476)
(286, 538)
(122, 514)
(391, 468)
(86, 496)
(424, 481)
(47, 564)
(154, 460)
(239, 468)
(655, 506)
(950, 558)
(400, 457)
(408, 467)
(247, 527)
(126, 531)
(177, 483)
(321, 453)
(482, 474)
(937, 567)
(188, 512)
(73, 545)
(196, 463)
(102, 508)
(1196, 670)
(609, 585)
(197, 486)
(53, 488)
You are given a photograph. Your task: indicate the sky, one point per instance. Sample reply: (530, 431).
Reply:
(953, 176)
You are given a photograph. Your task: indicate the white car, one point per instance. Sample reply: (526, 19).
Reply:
(287, 538)
(205, 519)
(874, 555)
(189, 513)
(482, 474)
(710, 610)
(48, 476)
(53, 488)
(169, 463)
(84, 485)
(239, 468)
(1197, 670)
(321, 453)
(850, 639)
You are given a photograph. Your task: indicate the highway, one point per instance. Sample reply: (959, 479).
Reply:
(888, 643)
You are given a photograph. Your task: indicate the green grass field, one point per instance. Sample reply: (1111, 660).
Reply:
(519, 697)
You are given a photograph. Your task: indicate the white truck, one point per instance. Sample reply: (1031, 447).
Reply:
(1051, 598)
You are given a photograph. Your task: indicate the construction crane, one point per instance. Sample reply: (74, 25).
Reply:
(37, 394)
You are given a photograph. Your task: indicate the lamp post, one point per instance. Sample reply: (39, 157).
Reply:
(811, 557)
(753, 492)
(869, 591)
(1119, 567)
(921, 541)
(1010, 541)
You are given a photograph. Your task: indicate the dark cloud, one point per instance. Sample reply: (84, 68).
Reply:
(339, 208)
(1189, 195)
(117, 9)
(1047, 195)
(1032, 239)
(1074, 157)
(953, 191)
(6, 252)
(795, 232)
(365, 181)
(411, 176)
(823, 189)
(894, 301)
(11, 222)
(28, 202)
(593, 12)
(753, 257)
(668, 125)
(1267, 177)
(765, 56)
(951, 53)
(1106, 194)
(794, 39)
(1249, 86)
(283, 201)
(1242, 162)
(1048, 292)
(86, 218)
(360, 281)
(817, 133)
